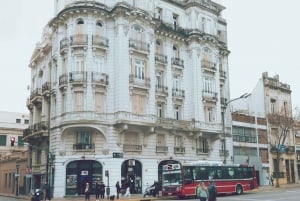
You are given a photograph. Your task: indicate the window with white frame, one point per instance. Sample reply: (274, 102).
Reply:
(160, 110)
(159, 80)
(175, 51)
(79, 63)
(202, 145)
(78, 100)
(139, 70)
(209, 85)
(83, 137)
(178, 141)
(99, 102)
(137, 33)
(99, 63)
(272, 106)
(63, 103)
(176, 82)
(209, 114)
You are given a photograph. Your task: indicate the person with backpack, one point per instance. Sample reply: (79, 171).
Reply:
(212, 191)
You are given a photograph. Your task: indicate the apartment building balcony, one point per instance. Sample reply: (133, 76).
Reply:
(222, 75)
(78, 77)
(36, 97)
(139, 46)
(208, 66)
(161, 58)
(39, 129)
(64, 45)
(99, 42)
(246, 139)
(161, 90)
(79, 41)
(209, 96)
(137, 81)
(201, 151)
(100, 79)
(132, 148)
(178, 93)
(63, 81)
(161, 149)
(83, 147)
(169, 123)
(177, 63)
(179, 150)
(283, 149)
(46, 89)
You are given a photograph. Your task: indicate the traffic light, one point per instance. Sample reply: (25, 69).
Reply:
(12, 141)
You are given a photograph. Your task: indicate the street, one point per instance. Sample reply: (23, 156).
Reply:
(268, 194)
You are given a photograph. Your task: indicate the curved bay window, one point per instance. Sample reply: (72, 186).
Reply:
(78, 173)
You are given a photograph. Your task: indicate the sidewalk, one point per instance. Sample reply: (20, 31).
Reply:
(282, 186)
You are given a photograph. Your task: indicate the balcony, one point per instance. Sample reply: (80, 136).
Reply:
(99, 79)
(161, 90)
(139, 82)
(132, 148)
(283, 149)
(83, 146)
(179, 150)
(208, 66)
(36, 97)
(63, 81)
(39, 129)
(139, 46)
(78, 77)
(79, 41)
(64, 45)
(178, 93)
(209, 96)
(161, 149)
(200, 151)
(99, 42)
(161, 58)
(46, 89)
(177, 62)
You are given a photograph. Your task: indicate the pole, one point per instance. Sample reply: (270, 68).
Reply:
(17, 179)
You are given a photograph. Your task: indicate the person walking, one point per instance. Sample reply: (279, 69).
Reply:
(127, 193)
(97, 190)
(118, 189)
(102, 190)
(87, 192)
(46, 189)
(202, 192)
(212, 191)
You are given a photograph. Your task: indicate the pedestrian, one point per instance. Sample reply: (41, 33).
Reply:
(87, 191)
(97, 190)
(46, 189)
(127, 193)
(118, 189)
(102, 190)
(202, 192)
(212, 191)
(271, 179)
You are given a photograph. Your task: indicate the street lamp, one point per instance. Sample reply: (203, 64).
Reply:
(17, 178)
(226, 103)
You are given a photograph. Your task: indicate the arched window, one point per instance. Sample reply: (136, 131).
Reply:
(79, 26)
(137, 33)
(99, 28)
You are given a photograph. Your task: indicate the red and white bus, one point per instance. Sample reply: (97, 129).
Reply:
(181, 179)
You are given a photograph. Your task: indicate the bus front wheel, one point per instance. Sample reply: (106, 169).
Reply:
(239, 189)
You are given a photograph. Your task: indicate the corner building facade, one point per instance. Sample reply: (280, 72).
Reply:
(120, 88)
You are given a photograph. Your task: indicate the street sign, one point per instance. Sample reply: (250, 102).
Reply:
(117, 155)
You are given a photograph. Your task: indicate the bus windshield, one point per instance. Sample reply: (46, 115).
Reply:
(172, 178)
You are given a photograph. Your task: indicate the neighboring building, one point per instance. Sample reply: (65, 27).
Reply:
(124, 87)
(297, 139)
(11, 129)
(252, 120)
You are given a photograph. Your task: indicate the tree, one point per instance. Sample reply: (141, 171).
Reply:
(282, 124)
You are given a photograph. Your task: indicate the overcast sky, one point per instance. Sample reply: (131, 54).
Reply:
(263, 35)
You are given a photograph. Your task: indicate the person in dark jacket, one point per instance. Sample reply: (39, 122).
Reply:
(212, 191)
(102, 190)
(97, 190)
(118, 189)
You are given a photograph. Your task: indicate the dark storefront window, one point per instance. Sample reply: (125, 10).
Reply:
(81, 172)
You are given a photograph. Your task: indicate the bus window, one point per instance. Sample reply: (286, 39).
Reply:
(212, 173)
(201, 173)
(188, 175)
(230, 173)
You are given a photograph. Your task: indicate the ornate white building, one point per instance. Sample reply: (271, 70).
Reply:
(124, 87)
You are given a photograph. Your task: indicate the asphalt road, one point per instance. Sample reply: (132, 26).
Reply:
(281, 194)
